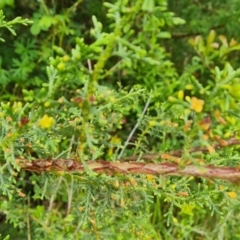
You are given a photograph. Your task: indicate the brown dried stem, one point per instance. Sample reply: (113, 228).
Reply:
(178, 153)
(132, 167)
(164, 168)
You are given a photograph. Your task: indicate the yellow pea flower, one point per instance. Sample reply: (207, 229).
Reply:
(197, 104)
(232, 195)
(150, 177)
(46, 121)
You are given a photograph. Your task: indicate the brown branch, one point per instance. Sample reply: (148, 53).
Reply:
(192, 34)
(178, 153)
(164, 168)
(132, 167)
(184, 35)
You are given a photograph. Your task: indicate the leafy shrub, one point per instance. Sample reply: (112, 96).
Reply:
(84, 102)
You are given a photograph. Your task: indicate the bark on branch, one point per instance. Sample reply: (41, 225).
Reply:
(163, 168)
(173, 167)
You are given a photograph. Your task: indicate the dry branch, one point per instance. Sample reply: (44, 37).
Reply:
(178, 153)
(164, 168)
(130, 166)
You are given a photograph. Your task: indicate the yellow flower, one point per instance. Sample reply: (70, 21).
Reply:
(197, 104)
(232, 195)
(150, 177)
(46, 121)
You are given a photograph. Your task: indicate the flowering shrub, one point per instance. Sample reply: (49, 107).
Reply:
(104, 137)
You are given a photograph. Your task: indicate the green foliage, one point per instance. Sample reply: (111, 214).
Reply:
(9, 24)
(75, 84)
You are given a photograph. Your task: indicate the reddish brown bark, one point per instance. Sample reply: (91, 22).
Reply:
(129, 165)
(163, 168)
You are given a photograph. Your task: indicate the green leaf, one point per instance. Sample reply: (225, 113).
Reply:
(35, 29)
(148, 5)
(7, 237)
(3, 3)
(187, 209)
(164, 35)
(178, 21)
(211, 37)
(46, 22)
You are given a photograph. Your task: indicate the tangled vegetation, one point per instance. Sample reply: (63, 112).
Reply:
(119, 119)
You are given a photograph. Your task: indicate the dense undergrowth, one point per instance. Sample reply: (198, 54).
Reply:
(96, 80)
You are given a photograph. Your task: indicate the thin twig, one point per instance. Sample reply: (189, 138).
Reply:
(89, 65)
(178, 153)
(28, 221)
(51, 201)
(70, 190)
(57, 187)
(70, 194)
(135, 128)
(192, 34)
